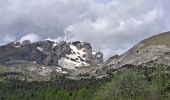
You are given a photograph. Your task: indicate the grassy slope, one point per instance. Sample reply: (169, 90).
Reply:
(160, 39)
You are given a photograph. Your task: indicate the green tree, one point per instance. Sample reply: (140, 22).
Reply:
(129, 84)
(159, 83)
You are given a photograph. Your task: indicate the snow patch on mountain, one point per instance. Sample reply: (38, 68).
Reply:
(39, 48)
(75, 53)
(94, 53)
(75, 59)
(17, 46)
(68, 64)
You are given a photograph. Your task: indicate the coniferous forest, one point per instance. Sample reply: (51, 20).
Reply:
(125, 84)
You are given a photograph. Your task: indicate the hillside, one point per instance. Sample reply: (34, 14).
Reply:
(150, 49)
(155, 49)
(160, 39)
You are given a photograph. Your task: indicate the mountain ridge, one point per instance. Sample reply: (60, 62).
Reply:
(151, 50)
(48, 57)
(147, 52)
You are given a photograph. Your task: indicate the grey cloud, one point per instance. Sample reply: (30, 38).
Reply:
(112, 26)
(32, 37)
(116, 31)
(7, 38)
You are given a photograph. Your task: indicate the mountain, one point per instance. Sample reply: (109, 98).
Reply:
(146, 54)
(147, 50)
(76, 60)
(47, 57)
(72, 71)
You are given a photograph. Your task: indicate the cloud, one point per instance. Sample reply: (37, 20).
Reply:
(111, 26)
(7, 38)
(113, 34)
(32, 37)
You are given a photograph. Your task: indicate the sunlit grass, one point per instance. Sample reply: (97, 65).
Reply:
(161, 39)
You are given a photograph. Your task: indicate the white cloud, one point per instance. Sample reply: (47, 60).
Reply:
(9, 38)
(111, 26)
(6, 38)
(32, 37)
(115, 34)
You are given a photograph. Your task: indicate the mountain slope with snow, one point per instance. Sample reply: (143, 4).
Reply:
(154, 50)
(50, 56)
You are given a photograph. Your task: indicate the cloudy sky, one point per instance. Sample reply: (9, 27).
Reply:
(111, 26)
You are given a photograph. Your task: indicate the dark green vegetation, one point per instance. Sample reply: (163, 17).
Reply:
(55, 89)
(133, 84)
(127, 83)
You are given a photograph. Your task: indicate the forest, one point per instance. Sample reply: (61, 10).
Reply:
(124, 84)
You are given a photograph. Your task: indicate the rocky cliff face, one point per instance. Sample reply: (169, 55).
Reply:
(77, 59)
(153, 50)
(61, 54)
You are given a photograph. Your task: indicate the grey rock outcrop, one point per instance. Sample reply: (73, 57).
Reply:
(51, 53)
(25, 42)
(153, 50)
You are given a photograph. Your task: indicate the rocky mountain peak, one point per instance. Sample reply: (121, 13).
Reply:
(155, 49)
(69, 55)
(78, 60)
